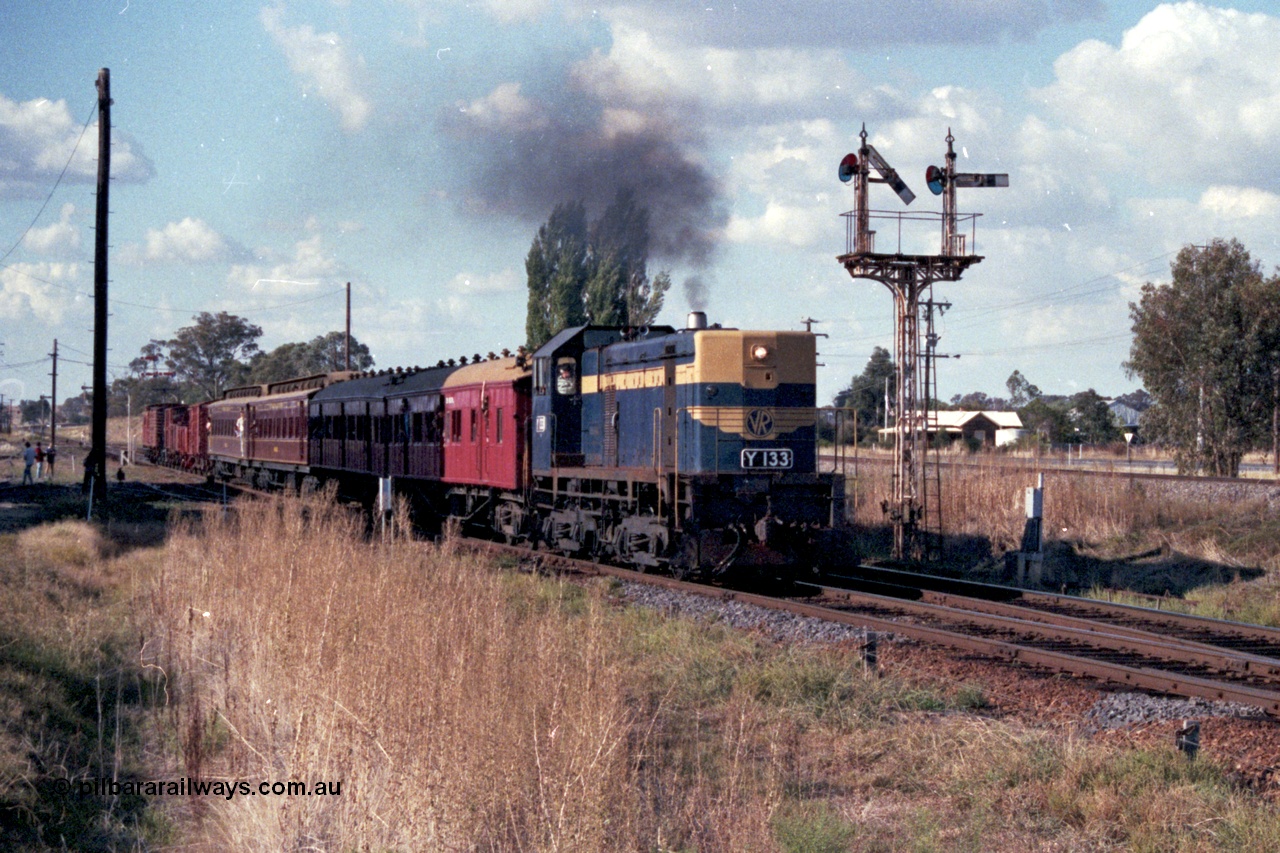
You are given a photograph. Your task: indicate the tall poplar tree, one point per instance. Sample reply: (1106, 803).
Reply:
(557, 271)
(592, 274)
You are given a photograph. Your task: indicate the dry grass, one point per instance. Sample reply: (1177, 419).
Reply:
(1108, 532)
(70, 695)
(463, 708)
(454, 710)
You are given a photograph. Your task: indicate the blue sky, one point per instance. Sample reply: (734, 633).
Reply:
(264, 155)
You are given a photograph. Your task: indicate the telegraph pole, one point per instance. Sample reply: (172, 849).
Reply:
(347, 361)
(53, 398)
(95, 469)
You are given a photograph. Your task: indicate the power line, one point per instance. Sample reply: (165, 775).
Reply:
(31, 363)
(169, 309)
(56, 184)
(1063, 294)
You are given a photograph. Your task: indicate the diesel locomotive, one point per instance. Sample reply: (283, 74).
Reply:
(691, 451)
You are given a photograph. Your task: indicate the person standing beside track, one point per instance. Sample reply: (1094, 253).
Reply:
(28, 459)
(39, 461)
(49, 456)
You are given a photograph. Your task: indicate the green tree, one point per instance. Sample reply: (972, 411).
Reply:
(322, 354)
(1090, 414)
(619, 291)
(1021, 391)
(557, 271)
(596, 273)
(35, 411)
(1047, 418)
(867, 392)
(977, 401)
(212, 354)
(329, 353)
(645, 298)
(1206, 346)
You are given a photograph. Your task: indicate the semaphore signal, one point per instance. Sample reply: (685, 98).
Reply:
(915, 509)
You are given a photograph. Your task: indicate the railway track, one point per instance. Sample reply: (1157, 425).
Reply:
(1118, 644)
(1153, 650)
(1143, 648)
(1105, 470)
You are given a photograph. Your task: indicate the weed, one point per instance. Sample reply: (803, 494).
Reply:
(812, 827)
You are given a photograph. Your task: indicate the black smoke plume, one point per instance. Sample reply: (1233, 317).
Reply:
(556, 151)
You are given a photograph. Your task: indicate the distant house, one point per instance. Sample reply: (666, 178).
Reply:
(989, 429)
(1128, 417)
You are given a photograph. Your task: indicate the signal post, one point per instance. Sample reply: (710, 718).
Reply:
(913, 509)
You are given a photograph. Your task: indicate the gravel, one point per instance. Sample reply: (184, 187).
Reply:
(778, 626)
(1123, 710)
(1116, 710)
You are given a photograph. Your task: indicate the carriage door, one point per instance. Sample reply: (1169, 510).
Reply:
(482, 447)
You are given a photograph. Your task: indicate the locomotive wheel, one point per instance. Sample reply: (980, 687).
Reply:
(684, 562)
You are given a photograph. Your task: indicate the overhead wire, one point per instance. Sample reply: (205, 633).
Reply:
(969, 316)
(55, 186)
(71, 289)
(168, 308)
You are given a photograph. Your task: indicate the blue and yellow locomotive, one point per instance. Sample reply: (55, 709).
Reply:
(692, 450)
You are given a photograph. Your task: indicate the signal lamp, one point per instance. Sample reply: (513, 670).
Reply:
(848, 167)
(759, 352)
(934, 177)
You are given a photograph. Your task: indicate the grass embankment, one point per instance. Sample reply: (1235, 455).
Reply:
(462, 708)
(70, 691)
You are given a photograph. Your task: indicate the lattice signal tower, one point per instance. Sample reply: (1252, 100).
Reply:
(914, 508)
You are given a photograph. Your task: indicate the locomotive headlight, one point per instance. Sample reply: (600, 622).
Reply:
(759, 352)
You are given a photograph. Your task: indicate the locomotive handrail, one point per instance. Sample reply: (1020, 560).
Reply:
(656, 455)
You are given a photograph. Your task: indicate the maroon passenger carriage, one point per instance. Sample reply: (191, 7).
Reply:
(258, 433)
(451, 439)
(155, 419)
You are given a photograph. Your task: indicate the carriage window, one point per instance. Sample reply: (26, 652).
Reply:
(498, 437)
(473, 426)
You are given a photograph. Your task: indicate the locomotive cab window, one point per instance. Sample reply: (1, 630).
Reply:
(541, 375)
(566, 377)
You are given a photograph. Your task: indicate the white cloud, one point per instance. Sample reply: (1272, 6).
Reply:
(40, 291)
(643, 71)
(189, 241)
(516, 11)
(505, 281)
(757, 24)
(39, 138)
(1239, 202)
(323, 64)
(504, 109)
(1191, 91)
(310, 267)
(782, 223)
(60, 238)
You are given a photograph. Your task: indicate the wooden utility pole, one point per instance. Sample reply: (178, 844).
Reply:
(95, 469)
(347, 360)
(53, 398)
